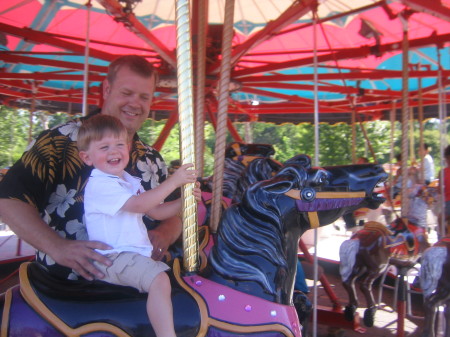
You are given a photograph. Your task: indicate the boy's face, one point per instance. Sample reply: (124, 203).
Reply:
(109, 155)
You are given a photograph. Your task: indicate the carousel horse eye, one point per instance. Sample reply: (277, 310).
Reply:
(322, 178)
(308, 194)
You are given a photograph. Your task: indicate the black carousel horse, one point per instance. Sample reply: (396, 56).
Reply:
(246, 288)
(435, 284)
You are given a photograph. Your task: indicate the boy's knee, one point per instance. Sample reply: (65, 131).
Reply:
(161, 282)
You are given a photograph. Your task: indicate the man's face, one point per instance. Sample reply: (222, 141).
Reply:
(128, 98)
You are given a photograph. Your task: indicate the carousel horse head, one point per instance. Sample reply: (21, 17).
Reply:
(257, 241)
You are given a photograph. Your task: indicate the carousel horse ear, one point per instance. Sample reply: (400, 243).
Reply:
(301, 159)
(278, 184)
(291, 176)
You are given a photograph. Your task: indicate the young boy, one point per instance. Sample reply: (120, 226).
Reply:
(115, 203)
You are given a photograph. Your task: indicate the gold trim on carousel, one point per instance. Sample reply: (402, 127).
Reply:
(313, 219)
(250, 329)
(201, 303)
(207, 321)
(202, 246)
(31, 298)
(237, 148)
(295, 194)
(6, 311)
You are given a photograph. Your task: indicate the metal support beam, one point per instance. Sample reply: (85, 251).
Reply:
(293, 13)
(434, 8)
(134, 25)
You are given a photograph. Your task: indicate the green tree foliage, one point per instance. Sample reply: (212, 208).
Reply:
(14, 134)
(15, 128)
(335, 141)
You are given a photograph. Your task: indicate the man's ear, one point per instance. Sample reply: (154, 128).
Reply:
(85, 158)
(106, 88)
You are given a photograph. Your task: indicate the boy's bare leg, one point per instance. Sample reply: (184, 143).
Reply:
(159, 306)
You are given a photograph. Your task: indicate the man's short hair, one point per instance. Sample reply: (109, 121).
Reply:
(96, 127)
(135, 63)
(447, 151)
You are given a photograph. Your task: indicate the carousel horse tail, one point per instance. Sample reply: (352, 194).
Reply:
(347, 255)
(432, 263)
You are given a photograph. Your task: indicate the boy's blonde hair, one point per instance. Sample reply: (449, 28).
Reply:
(96, 127)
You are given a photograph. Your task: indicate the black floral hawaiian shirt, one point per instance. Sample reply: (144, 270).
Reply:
(51, 176)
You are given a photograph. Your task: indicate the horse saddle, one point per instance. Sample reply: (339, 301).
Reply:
(99, 306)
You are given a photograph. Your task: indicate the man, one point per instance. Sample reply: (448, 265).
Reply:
(41, 197)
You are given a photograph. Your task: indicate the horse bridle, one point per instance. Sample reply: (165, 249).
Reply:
(311, 201)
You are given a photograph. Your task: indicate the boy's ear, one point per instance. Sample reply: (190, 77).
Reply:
(85, 158)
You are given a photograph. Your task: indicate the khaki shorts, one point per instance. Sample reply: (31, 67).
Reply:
(131, 269)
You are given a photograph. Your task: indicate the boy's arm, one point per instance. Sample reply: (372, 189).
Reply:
(172, 208)
(150, 199)
(165, 210)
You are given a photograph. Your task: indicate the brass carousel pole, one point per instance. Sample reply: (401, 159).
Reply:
(401, 310)
(86, 60)
(405, 119)
(316, 162)
(221, 129)
(443, 230)
(421, 126)
(32, 109)
(353, 134)
(185, 113)
(200, 71)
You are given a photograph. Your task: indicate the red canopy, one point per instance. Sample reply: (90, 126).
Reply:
(358, 44)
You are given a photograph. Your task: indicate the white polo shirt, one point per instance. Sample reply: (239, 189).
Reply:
(104, 196)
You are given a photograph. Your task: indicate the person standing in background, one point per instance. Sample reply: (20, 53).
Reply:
(428, 164)
(446, 187)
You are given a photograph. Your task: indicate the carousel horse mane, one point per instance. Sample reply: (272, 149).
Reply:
(238, 156)
(232, 172)
(257, 170)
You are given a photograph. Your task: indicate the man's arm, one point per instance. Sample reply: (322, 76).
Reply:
(25, 221)
(167, 232)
